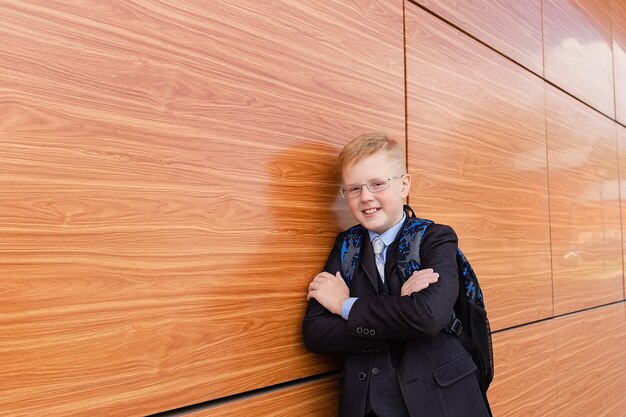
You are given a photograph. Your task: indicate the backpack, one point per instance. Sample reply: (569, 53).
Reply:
(468, 319)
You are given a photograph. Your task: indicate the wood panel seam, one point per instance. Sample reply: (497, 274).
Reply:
(205, 405)
(545, 127)
(466, 33)
(542, 77)
(570, 313)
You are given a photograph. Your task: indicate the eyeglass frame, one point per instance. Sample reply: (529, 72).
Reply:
(343, 190)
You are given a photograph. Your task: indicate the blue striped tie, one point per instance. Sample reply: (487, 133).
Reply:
(379, 247)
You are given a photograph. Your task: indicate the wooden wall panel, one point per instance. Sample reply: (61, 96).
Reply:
(169, 189)
(621, 144)
(578, 50)
(569, 366)
(584, 205)
(525, 374)
(513, 28)
(619, 58)
(477, 153)
(591, 362)
(314, 399)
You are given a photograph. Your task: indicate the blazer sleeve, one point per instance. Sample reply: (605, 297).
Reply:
(325, 332)
(422, 314)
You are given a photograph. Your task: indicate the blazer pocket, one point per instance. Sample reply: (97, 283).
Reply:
(454, 371)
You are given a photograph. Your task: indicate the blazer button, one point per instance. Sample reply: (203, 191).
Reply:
(362, 376)
(372, 332)
(366, 331)
(359, 330)
(375, 370)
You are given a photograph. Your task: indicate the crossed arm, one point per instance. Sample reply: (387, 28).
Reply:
(422, 309)
(331, 291)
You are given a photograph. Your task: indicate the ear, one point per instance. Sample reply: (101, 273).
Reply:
(406, 185)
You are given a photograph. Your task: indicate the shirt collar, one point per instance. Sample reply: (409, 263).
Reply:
(389, 235)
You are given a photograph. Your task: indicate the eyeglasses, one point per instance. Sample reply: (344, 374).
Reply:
(375, 185)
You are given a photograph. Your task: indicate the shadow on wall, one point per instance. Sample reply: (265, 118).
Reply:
(307, 212)
(298, 214)
(304, 194)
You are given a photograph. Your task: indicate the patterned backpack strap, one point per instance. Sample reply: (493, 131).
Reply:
(351, 252)
(473, 293)
(409, 247)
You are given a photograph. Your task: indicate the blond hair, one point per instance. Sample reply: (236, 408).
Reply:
(368, 144)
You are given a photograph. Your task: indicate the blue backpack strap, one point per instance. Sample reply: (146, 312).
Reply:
(473, 293)
(351, 252)
(409, 248)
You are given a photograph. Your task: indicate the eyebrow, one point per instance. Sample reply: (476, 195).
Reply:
(371, 179)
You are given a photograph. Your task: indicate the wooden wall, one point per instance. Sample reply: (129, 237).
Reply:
(169, 190)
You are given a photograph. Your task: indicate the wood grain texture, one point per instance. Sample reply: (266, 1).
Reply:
(525, 382)
(169, 191)
(314, 399)
(477, 153)
(511, 27)
(621, 146)
(578, 50)
(591, 362)
(584, 205)
(618, 25)
(569, 366)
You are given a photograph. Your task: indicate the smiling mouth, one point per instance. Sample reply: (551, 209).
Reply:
(370, 211)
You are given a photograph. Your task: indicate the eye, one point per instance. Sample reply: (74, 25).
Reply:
(353, 189)
(378, 183)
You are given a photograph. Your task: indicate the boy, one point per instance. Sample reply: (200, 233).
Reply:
(398, 361)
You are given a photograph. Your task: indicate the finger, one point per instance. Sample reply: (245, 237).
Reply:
(425, 277)
(340, 280)
(433, 278)
(422, 272)
(410, 290)
(320, 278)
(415, 286)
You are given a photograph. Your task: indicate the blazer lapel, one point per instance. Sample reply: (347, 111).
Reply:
(368, 262)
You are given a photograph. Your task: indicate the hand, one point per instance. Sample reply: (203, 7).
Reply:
(329, 290)
(419, 280)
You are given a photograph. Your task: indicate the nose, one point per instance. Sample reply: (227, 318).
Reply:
(366, 194)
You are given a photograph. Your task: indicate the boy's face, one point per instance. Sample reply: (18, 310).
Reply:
(377, 211)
